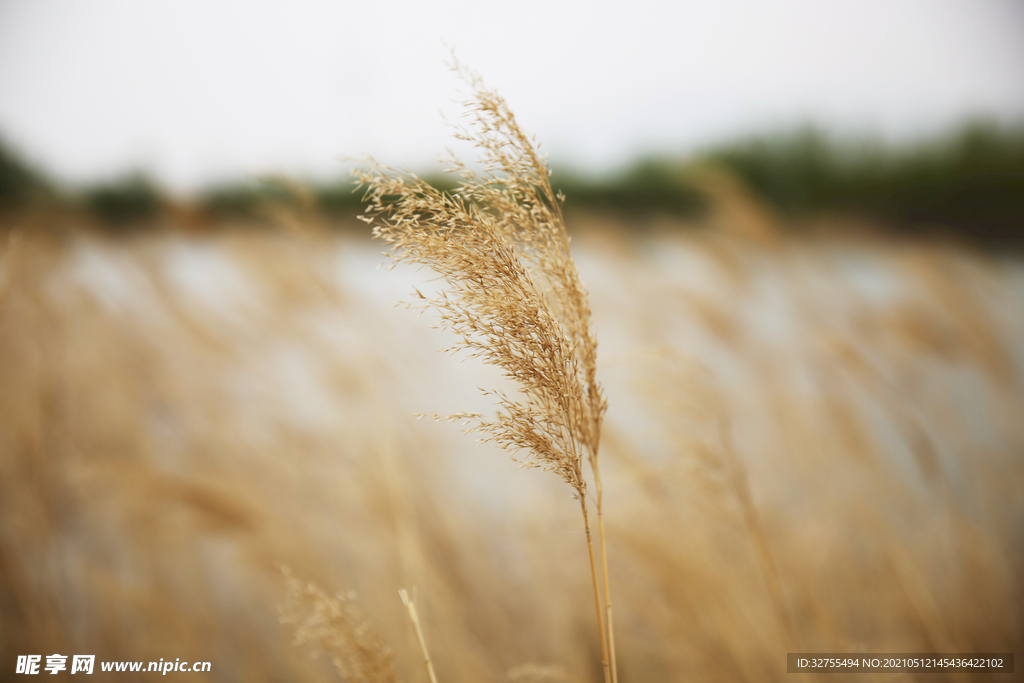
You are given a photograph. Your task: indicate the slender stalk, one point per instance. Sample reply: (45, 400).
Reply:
(410, 606)
(597, 593)
(759, 539)
(610, 629)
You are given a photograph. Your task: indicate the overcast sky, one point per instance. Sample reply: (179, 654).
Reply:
(198, 90)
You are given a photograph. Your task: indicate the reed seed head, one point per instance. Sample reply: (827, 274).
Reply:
(512, 292)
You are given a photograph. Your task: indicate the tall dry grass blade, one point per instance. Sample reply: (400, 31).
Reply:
(512, 296)
(758, 537)
(610, 628)
(601, 626)
(414, 618)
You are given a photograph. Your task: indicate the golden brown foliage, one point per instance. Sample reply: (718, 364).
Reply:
(513, 297)
(179, 416)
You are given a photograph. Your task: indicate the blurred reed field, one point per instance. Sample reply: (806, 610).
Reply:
(209, 449)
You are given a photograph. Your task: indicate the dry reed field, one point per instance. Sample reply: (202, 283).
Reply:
(209, 450)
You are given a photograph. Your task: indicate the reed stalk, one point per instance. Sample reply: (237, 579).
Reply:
(513, 297)
(414, 618)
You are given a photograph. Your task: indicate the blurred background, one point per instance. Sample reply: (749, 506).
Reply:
(800, 224)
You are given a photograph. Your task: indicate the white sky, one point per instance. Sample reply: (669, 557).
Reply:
(195, 90)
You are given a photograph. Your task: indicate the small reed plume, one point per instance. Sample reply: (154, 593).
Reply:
(334, 625)
(513, 297)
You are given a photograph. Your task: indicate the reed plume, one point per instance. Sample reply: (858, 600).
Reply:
(334, 625)
(512, 296)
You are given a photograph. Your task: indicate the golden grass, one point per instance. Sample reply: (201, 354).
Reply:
(811, 440)
(181, 416)
(513, 297)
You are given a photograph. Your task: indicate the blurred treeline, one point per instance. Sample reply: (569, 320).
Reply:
(968, 182)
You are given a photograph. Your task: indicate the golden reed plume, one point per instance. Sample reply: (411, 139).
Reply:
(513, 297)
